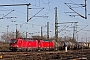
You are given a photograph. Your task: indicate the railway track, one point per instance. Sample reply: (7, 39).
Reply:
(46, 55)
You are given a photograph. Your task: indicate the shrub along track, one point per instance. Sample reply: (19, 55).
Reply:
(47, 55)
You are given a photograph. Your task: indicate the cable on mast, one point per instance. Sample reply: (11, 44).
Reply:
(78, 14)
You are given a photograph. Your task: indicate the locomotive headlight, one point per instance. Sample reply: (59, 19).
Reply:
(16, 45)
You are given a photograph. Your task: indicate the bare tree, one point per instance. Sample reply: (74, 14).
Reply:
(67, 38)
(7, 37)
(10, 35)
(20, 35)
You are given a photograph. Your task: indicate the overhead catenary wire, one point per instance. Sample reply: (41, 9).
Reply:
(35, 14)
(63, 28)
(77, 17)
(81, 29)
(47, 3)
(38, 18)
(80, 6)
(75, 11)
(6, 14)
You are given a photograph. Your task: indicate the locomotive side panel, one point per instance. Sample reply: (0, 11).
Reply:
(32, 44)
(46, 44)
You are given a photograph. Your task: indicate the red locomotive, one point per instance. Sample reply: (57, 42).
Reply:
(29, 44)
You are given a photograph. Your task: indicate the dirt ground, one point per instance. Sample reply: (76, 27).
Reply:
(5, 54)
(47, 55)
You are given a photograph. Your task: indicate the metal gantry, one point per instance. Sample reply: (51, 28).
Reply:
(74, 27)
(19, 5)
(78, 14)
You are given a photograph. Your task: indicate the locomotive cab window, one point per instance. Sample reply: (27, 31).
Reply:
(13, 41)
